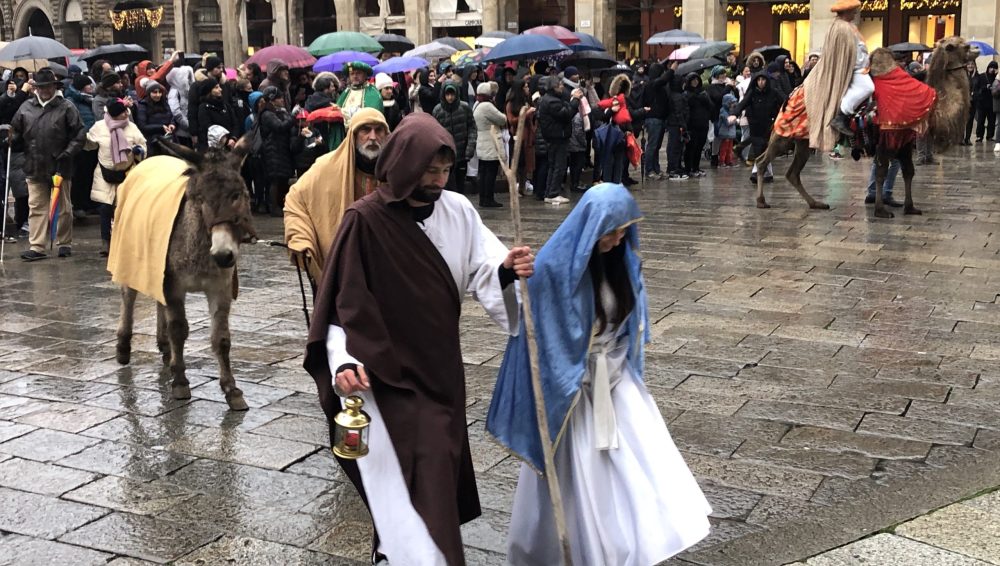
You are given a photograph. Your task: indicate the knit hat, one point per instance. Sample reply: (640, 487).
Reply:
(80, 82)
(109, 80)
(774, 67)
(152, 86)
(570, 72)
(484, 89)
(114, 107)
(383, 80)
(359, 65)
(718, 70)
(212, 62)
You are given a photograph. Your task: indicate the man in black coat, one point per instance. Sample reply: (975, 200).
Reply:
(656, 97)
(700, 109)
(555, 121)
(982, 99)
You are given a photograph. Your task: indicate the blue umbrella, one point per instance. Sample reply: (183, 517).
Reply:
(984, 48)
(523, 47)
(587, 43)
(401, 65)
(335, 62)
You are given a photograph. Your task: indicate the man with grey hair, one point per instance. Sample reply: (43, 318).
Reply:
(555, 120)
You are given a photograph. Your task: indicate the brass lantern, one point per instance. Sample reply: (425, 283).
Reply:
(351, 430)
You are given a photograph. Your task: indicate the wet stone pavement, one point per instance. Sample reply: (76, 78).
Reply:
(825, 375)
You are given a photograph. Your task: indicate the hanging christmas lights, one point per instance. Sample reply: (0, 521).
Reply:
(136, 18)
(788, 9)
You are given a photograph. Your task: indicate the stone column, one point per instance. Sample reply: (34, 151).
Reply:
(181, 24)
(820, 20)
(705, 17)
(418, 25)
(509, 14)
(280, 9)
(232, 43)
(597, 17)
(491, 16)
(347, 15)
(981, 21)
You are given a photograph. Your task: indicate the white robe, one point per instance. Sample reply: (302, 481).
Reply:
(636, 504)
(473, 255)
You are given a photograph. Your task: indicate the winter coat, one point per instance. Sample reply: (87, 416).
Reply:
(555, 117)
(181, 81)
(716, 91)
(51, 136)
(678, 114)
(151, 117)
(305, 151)
(460, 122)
(982, 96)
(213, 112)
(277, 126)
(99, 138)
(194, 104)
(393, 113)
(761, 106)
(487, 115)
(783, 81)
(656, 96)
(428, 95)
(10, 104)
(84, 105)
(726, 130)
(995, 93)
(159, 76)
(700, 107)
(274, 68)
(578, 141)
(318, 100)
(621, 117)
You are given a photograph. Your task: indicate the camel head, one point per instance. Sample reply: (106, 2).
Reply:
(948, 77)
(882, 61)
(216, 188)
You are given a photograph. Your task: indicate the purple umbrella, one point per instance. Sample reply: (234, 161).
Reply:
(335, 62)
(401, 65)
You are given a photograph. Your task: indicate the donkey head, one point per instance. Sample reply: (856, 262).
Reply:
(217, 189)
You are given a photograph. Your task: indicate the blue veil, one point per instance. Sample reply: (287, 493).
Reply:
(562, 303)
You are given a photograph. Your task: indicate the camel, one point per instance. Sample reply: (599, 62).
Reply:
(213, 219)
(946, 76)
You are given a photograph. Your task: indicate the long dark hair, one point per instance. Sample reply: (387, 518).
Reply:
(518, 99)
(611, 267)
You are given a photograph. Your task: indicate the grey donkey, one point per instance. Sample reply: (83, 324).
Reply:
(214, 219)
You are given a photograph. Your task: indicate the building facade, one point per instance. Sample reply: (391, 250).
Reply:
(234, 28)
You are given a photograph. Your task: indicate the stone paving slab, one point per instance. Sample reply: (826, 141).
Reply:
(147, 538)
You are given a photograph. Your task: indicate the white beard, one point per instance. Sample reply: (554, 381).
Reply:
(371, 154)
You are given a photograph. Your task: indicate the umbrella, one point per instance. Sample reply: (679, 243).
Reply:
(401, 65)
(696, 65)
(117, 54)
(293, 56)
(394, 43)
(682, 53)
(772, 52)
(458, 44)
(717, 49)
(590, 60)
(587, 43)
(335, 62)
(328, 114)
(470, 57)
(676, 37)
(55, 204)
(344, 41)
(32, 52)
(525, 47)
(984, 48)
(558, 33)
(432, 50)
(909, 47)
(60, 71)
(493, 38)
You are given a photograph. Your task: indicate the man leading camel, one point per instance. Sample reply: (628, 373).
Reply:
(839, 82)
(316, 203)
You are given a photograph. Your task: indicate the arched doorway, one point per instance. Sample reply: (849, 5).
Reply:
(137, 28)
(318, 17)
(72, 31)
(39, 24)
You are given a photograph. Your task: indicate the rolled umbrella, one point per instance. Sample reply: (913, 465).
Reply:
(293, 56)
(117, 54)
(696, 65)
(909, 47)
(682, 53)
(458, 44)
(772, 52)
(590, 60)
(32, 52)
(587, 43)
(557, 33)
(985, 49)
(401, 65)
(335, 62)
(432, 50)
(525, 47)
(394, 43)
(717, 49)
(344, 41)
(676, 37)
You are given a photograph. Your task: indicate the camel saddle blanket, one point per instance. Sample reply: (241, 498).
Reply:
(148, 203)
(793, 121)
(902, 102)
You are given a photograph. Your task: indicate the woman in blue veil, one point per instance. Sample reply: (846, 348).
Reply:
(629, 498)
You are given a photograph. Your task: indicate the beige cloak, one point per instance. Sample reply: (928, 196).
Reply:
(828, 81)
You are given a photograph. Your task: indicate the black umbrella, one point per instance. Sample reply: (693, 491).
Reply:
(590, 60)
(717, 49)
(454, 42)
(696, 65)
(117, 54)
(60, 71)
(676, 37)
(394, 43)
(909, 47)
(772, 52)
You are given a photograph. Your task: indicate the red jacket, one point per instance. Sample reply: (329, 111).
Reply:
(159, 76)
(621, 117)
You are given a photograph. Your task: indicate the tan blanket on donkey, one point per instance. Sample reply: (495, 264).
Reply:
(148, 203)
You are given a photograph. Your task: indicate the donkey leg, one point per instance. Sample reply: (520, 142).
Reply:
(761, 163)
(177, 333)
(794, 174)
(162, 343)
(881, 170)
(906, 163)
(218, 306)
(126, 321)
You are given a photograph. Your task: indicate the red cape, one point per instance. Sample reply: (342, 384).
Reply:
(902, 101)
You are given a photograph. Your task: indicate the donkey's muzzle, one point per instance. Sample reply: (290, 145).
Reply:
(224, 259)
(225, 247)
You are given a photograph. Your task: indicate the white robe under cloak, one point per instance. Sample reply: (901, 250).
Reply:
(636, 504)
(473, 255)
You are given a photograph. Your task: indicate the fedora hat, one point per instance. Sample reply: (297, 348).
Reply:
(45, 77)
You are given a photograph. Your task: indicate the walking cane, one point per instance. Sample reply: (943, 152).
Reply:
(298, 268)
(548, 452)
(6, 194)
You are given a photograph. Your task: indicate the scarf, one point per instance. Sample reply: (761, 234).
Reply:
(119, 145)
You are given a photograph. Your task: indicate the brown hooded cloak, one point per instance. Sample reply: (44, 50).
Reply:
(388, 287)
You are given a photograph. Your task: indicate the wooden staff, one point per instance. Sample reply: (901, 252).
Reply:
(548, 451)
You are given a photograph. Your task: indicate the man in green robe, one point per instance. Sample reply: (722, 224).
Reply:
(359, 93)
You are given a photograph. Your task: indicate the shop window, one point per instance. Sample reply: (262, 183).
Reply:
(872, 30)
(794, 36)
(929, 29)
(734, 31)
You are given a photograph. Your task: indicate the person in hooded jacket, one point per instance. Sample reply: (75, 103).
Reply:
(146, 69)
(700, 112)
(456, 116)
(717, 87)
(278, 77)
(180, 80)
(254, 170)
(656, 97)
(212, 111)
(213, 70)
(391, 108)
(782, 79)
(472, 77)
(676, 126)
(429, 91)
(324, 94)
(756, 62)
(982, 102)
(154, 117)
(762, 105)
(12, 99)
(277, 126)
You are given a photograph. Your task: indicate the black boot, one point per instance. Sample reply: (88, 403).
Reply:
(842, 123)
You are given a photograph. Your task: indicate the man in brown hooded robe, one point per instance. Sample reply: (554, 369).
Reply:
(386, 329)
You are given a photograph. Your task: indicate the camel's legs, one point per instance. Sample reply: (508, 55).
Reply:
(219, 301)
(775, 147)
(906, 163)
(882, 158)
(126, 321)
(794, 173)
(162, 343)
(177, 333)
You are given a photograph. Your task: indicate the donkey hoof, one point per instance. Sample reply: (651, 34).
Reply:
(761, 203)
(181, 391)
(883, 213)
(235, 400)
(819, 206)
(912, 210)
(123, 356)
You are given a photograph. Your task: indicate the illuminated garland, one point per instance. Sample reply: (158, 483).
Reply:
(786, 9)
(930, 4)
(874, 5)
(678, 11)
(735, 10)
(137, 18)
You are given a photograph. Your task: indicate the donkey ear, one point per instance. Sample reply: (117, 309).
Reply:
(181, 152)
(242, 149)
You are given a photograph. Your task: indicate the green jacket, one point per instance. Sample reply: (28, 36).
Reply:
(372, 98)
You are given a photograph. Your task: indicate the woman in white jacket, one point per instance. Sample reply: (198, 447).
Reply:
(180, 80)
(487, 115)
(119, 144)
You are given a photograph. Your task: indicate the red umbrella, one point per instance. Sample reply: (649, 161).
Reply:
(291, 55)
(555, 32)
(328, 114)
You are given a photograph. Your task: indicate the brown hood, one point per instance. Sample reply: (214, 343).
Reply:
(620, 82)
(407, 153)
